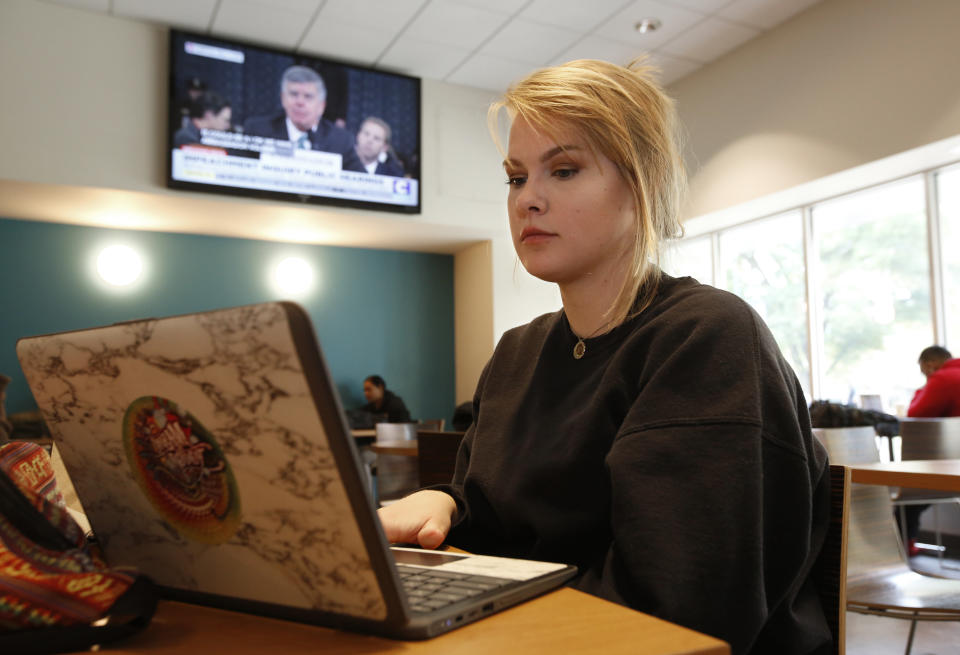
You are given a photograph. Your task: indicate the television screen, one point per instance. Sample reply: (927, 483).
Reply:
(250, 120)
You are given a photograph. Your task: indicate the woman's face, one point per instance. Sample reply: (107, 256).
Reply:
(572, 215)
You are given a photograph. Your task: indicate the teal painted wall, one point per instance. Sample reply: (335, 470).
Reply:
(374, 311)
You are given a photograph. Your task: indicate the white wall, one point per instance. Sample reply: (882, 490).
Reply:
(83, 128)
(842, 84)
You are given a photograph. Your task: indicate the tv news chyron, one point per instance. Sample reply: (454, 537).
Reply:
(251, 151)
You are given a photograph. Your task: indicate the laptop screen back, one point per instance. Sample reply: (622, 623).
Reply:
(197, 450)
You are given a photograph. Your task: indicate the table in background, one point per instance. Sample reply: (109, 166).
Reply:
(403, 448)
(939, 474)
(563, 621)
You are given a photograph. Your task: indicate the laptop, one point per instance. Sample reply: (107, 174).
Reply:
(210, 451)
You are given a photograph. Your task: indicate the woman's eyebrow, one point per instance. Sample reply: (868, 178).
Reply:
(545, 157)
(553, 152)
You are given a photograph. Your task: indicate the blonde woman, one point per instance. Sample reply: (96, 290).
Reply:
(650, 432)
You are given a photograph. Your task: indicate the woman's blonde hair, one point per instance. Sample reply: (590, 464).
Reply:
(624, 115)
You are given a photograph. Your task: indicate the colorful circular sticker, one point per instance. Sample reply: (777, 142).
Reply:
(181, 470)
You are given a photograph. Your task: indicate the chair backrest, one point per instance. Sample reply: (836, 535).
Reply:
(872, 538)
(396, 474)
(829, 571)
(930, 438)
(855, 445)
(437, 455)
(388, 432)
(435, 424)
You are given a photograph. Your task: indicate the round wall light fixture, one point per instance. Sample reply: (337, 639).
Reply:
(119, 266)
(293, 276)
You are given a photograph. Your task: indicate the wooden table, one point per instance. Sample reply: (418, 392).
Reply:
(364, 433)
(939, 474)
(405, 448)
(564, 621)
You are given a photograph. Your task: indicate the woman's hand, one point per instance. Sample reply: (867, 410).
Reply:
(421, 518)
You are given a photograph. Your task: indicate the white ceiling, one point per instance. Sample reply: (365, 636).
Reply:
(479, 43)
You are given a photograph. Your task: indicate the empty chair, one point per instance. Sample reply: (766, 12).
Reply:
(435, 424)
(390, 432)
(879, 582)
(928, 438)
(396, 475)
(829, 571)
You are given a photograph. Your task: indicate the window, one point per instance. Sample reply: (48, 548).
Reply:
(948, 190)
(693, 257)
(762, 262)
(873, 281)
(846, 284)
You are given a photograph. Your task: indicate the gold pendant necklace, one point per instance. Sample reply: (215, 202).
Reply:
(579, 349)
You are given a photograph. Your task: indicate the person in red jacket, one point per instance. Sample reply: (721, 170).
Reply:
(940, 396)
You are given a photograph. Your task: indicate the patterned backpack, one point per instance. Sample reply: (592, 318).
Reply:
(56, 594)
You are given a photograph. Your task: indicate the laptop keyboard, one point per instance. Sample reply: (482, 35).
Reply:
(429, 590)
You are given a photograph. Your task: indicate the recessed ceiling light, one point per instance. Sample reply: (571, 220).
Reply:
(648, 25)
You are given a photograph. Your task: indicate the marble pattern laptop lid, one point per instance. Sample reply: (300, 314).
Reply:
(199, 456)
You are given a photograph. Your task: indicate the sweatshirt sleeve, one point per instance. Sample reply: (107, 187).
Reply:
(714, 504)
(455, 488)
(461, 521)
(691, 535)
(931, 400)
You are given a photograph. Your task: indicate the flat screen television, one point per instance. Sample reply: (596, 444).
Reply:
(250, 120)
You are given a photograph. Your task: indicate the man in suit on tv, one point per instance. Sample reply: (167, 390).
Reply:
(373, 148)
(303, 96)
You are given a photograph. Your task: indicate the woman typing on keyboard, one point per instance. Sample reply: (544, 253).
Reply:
(650, 432)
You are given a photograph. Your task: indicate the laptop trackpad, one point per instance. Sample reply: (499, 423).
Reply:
(497, 567)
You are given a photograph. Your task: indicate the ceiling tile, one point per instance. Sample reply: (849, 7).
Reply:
(535, 43)
(669, 68)
(421, 58)
(763, 13)
(338, 40)
(280, 23)
(572, 14)
(489, 72)
(672, 68)
(702, 6)
(435, 38)
(594, 47)
(194, 14)
(384, 14)
(674, 21)
(709, 40)
(93, 5)
(358, 30)
(455, 25)
(508, 7)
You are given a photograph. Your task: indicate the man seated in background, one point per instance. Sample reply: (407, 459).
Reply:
(303, 96)
(940, 396)
(373, 148)
(380, 400)
(209, 111)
